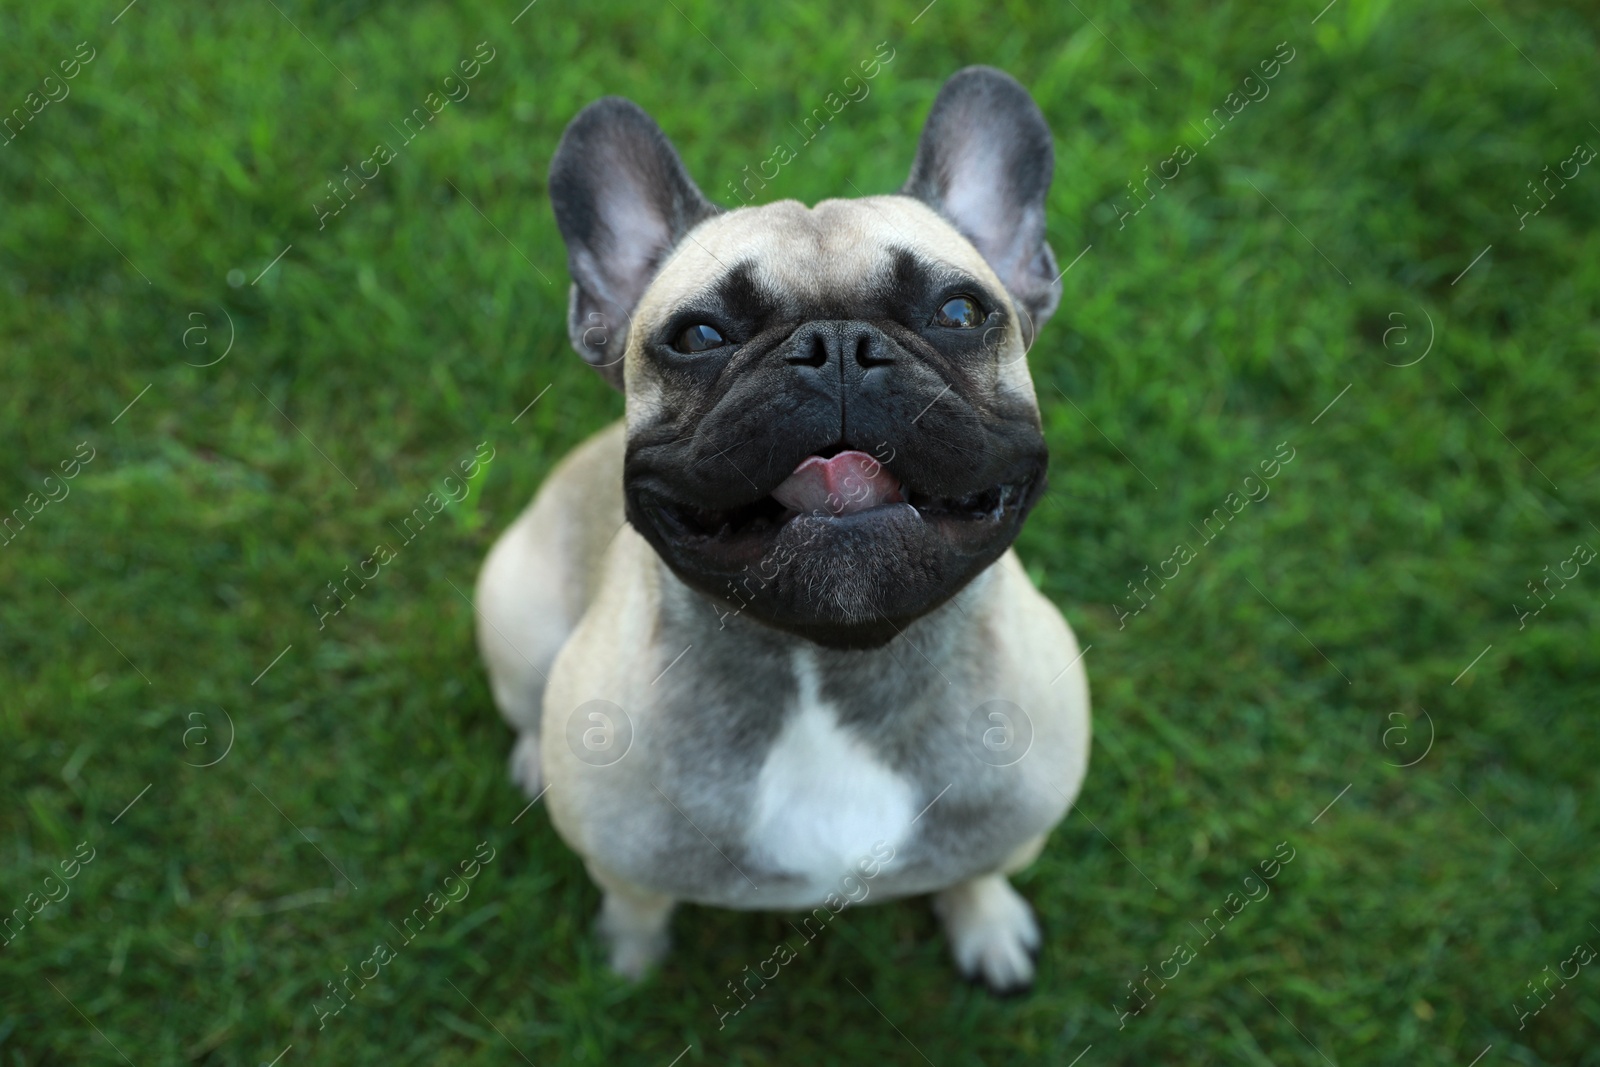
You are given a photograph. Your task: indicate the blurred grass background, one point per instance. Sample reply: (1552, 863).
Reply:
(1321, 639)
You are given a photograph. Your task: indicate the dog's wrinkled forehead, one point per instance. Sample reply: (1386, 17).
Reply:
(873, 258)
(820, 255)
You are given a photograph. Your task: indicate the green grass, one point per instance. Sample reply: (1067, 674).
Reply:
(1191, 341)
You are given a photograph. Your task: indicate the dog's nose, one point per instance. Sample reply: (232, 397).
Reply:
(849, 346)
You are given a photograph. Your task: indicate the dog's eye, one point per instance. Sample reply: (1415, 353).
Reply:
(698, 338)
(959, 313)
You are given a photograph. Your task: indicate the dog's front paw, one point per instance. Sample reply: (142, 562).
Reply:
(524, 765)
(634, 928)
(633, 955)
(993, 933)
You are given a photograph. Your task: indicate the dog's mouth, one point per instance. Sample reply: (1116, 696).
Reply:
(844, 551)
(843, 487)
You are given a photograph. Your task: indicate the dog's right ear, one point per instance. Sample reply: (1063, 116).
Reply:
(623, 201)
(984, 162)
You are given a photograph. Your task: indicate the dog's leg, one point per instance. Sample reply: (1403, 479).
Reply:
(521, 627)
(633, 923)
(993, 934)
(536, 584)
(522, 624)
(524, 764)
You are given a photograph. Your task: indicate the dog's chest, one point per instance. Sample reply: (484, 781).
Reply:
(823, 799)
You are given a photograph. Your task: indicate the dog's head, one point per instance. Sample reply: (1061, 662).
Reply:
(830, 421)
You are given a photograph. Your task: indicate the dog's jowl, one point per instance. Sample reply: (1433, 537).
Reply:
(769, 628)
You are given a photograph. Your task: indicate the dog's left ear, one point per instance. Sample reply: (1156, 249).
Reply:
(984, 163)
(623, 201)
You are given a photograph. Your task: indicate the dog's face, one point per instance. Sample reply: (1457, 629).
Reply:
(831, 426)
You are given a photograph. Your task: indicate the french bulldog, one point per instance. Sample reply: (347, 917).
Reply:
(765, 639)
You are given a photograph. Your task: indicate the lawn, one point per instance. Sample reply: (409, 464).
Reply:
(1373, 272)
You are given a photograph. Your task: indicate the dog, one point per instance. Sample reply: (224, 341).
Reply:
(765, 642)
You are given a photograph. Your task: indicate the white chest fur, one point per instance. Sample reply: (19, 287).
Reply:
(823, 798)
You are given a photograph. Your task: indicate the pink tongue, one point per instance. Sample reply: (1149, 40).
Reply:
(841, 485)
